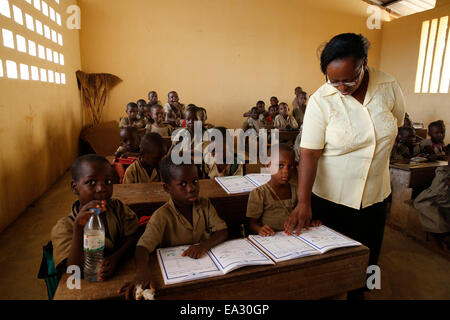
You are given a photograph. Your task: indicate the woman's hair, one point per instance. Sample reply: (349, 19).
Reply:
(342, 46)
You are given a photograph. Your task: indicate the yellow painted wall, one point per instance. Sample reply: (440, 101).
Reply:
(39, 122)
(222, 54)
(399, 56)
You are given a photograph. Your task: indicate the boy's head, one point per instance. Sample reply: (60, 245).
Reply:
(436, 130)
(141, 104)
(180, 181)
(261, 106)
(157, 113)
(254, 113)
(273, 111)
(273, 101)
(129, 138)
(152, 97)
(285, 165)
(201, 115)
(298, 90)
(301, 98)
(284, 109)
(191, 117)
(152, 149)
(407, 136)
(92, 178)
(173, 97)
(132, 110)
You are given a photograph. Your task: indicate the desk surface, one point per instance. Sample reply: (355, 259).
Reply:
(418, 166)
(314, 277)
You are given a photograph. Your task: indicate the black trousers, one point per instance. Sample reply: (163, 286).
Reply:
(365, 225)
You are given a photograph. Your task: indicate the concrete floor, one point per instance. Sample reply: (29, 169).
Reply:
(408, 270)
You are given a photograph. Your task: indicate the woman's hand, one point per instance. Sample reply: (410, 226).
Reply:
(300, 217)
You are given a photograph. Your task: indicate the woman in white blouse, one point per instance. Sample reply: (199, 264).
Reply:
(349, 130)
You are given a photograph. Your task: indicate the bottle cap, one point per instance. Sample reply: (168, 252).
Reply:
(96, 210)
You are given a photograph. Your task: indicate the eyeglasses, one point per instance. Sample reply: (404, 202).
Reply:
(347, 84)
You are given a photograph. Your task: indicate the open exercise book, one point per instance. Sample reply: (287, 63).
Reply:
(256, 250)
(241, 184)
(316, 240)
(217, 261)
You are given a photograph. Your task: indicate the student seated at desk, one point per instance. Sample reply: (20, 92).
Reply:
(270, 204)
(146, 168)
(284, 121)
(174, 110)
(213, 169)
(253, 121)
(141, 103)
(434, 207)
(157, 125)
(132, 120)
(274, 103)
(406, 146)
(299, 109)
(203, 116)
(186, 219)
(92, 182)
(147, 114)
(272, 114)
(130, 140)
(435, 145)
(261, 106)
(153, 98)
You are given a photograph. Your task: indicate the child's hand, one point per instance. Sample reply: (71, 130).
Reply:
(87, 211)
(141, 279)
(195, 251)
(316, 223)
(266, 231)
(107, 267)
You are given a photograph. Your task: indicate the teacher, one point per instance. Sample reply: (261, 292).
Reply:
(349, 129)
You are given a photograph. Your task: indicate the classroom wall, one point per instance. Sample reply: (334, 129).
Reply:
(39, 122)
(222, 54)
(399, 56)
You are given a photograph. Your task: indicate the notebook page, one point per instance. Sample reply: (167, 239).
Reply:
(234, 254)
(281, 247)
(235, 184)
(176, 268)
(259, 178)
(324, 239)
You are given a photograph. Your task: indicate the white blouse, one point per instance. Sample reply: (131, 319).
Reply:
(356, 140)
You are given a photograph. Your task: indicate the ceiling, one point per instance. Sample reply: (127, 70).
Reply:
(402, 8)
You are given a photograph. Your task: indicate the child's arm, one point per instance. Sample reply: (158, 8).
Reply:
(198, 250)
(109, 264)
(76, 255)
(263, 231)
(143, 275)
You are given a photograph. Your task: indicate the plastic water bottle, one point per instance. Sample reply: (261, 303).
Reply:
(94, 245)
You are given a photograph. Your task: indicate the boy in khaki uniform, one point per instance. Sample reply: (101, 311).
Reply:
(146, 168)
(93, 184)
(285, 121)
(157, 125)
(131, 120)
(184, 219)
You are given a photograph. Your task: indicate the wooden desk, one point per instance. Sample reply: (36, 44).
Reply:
(407, 181)
(315, 277)
(145, 198)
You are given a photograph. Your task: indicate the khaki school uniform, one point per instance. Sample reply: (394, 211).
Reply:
(434, 203)
(298, 115)
(174, 113)
(437, 148)
(169, 228)
(281, 123)
(212, 171)
(165, 131)
(121, 221)
(264, 205)
(252, 123)
(126, 122)
(136, 173)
